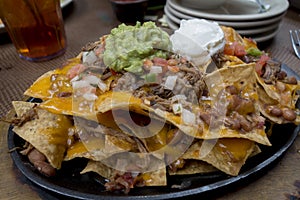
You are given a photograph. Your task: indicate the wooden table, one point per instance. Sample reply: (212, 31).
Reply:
(86, 21)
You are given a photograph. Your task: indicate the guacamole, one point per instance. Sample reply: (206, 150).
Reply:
(127, 46)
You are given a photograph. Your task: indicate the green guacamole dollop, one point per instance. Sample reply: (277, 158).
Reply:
(126, 47)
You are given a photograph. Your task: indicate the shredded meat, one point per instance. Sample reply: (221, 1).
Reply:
(31, 114)
(189, 82)
(239, 115)
(119, 134)
(271, 70)
(90, 46)
(177, 164)
(127, 82)
(121, 181)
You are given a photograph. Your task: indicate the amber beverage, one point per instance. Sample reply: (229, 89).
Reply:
(35, 27)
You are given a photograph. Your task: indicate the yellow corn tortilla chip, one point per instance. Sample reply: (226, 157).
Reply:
(48, 133)
(194, 167)
(151, 178)
(98, 142)
(96, 152)
(226, 154)
(77, 150)
(99, 149)
(64, 106)
(122, 100)
(41, 88)
(265, 100)
(288, 97)
(231, 35)
(245, 82)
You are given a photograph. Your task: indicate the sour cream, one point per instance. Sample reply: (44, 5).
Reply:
(198, 40)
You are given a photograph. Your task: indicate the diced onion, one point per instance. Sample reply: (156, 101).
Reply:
(188, 117)
(91, 79)
(204, 98)
(76, 78)
(147, 102)
(170, 82)
(89, 57)
(156, 69)
(80, 84)
(90, 96)
(102, 86)
(177, 108)
(178, 98)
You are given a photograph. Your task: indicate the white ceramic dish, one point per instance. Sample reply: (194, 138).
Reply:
(234, 10)
(244, 31)
(172, 24)
(234, 24)
(203, 4)
(260, 37)
(63, 3)
(266, 36)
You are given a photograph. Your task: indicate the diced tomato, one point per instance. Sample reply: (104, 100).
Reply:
(113, 72)
(76, 70)
(147, 64)
(239, 50)
(160, 62)
(99, 50)
(261, 63)
(229, 50)
(264, 58)
(235, 49)
(258, 69)
(173, 68)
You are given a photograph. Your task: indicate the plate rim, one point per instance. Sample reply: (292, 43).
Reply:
(248, 32)
(261, 37)
(246, 17)
(236, 24)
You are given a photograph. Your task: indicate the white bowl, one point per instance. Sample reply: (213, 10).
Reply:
(203, 4)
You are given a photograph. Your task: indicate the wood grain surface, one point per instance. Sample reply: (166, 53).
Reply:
(86, 21)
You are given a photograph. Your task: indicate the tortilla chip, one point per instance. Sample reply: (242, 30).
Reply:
(265, 100)
(150, 178)
(194, 167)
(226, 154)
(121, 100)
(77, 150)
(48, 133)
(126, 101)
(231, 35)
(98, 153)
(287, 98)
(245, 82)
(41, 88)
(98, 143)
(65, 106)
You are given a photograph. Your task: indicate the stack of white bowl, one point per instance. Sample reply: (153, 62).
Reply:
(242, 15)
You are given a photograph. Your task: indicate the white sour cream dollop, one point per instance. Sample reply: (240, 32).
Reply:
(198, 40)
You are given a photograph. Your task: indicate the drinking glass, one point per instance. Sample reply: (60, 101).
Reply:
(35, 27)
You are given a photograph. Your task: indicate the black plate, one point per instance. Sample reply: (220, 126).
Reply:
(70, 183)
